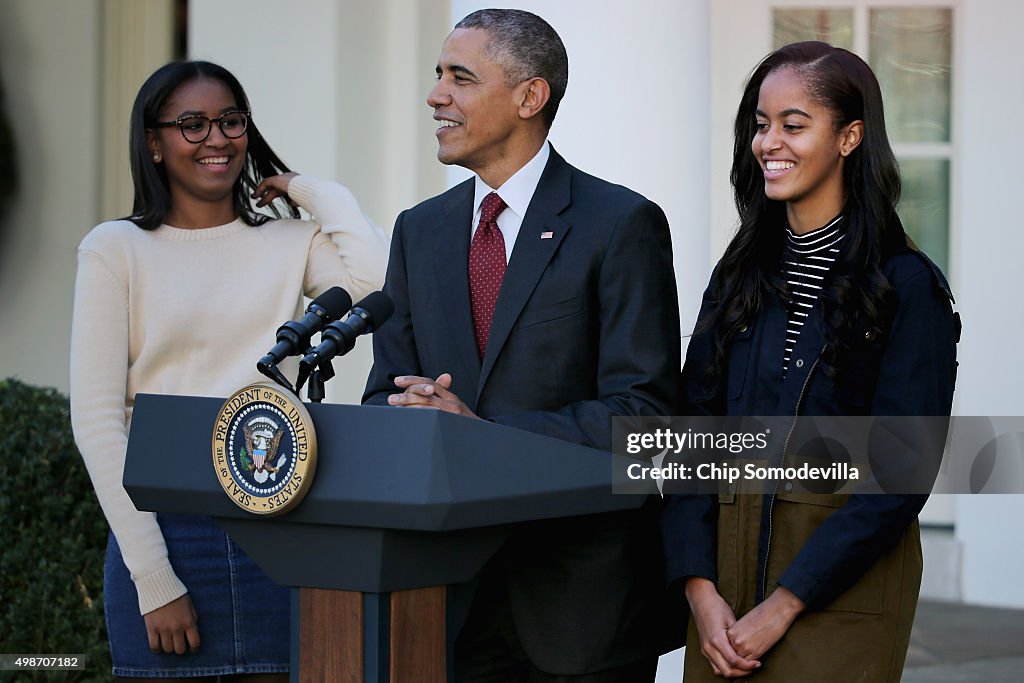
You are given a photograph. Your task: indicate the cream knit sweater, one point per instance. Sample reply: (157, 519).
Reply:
(189, 312)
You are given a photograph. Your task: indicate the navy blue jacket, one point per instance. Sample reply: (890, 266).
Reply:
(586, 327)
(907, 370)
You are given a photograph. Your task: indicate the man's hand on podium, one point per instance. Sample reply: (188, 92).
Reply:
(423, 392)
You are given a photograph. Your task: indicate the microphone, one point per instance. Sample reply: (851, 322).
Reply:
(293, 336)
(339, 337)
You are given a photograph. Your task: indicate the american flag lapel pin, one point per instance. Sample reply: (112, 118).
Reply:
(547, 235)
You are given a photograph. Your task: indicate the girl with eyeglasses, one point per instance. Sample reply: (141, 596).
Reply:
(182, 297)
(820, 306)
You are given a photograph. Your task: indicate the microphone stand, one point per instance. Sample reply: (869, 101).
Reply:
(317, 378)
(315, 390)
(271, 371)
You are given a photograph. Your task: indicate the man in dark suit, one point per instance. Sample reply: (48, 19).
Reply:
(542, 298)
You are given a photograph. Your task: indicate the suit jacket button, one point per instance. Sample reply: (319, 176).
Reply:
(788, 487)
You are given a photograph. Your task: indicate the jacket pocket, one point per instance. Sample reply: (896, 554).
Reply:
(845, 395)
(796, 517)
(852, 387)
(552, 311)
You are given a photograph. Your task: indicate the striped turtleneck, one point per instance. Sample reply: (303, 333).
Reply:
(806, 260)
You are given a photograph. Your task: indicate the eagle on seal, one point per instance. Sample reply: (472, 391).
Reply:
(261, 440)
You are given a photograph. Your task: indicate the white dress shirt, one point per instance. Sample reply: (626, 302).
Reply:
(516, 192)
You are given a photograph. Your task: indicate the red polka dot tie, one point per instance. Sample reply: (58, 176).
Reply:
(486, 268)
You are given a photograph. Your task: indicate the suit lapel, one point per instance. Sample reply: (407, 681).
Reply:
(451, 257)
(530, 256)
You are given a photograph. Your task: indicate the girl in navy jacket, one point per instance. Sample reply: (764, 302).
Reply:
(819, 307)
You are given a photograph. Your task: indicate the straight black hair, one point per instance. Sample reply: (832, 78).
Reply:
(855, 297)
(152, 194)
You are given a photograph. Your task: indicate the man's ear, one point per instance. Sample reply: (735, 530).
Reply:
(533, 94)
(851, 137)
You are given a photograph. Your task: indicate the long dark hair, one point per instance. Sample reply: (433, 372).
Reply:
(855, 297)
(152, 196)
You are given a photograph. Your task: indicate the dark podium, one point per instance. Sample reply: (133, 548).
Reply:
(403, 503)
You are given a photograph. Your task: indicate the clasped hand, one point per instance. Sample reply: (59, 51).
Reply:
(423, 392)
(734, 647)
(762, 627)
(713, 618)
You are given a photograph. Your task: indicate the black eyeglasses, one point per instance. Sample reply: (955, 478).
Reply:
(196, 129)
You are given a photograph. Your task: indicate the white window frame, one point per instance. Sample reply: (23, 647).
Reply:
(741, 34)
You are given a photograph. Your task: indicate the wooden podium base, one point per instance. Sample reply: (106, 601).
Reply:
(351, 637)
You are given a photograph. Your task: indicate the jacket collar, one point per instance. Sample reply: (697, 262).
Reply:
(451, 264)
(539, 238)
(542, 232)
(540, 235)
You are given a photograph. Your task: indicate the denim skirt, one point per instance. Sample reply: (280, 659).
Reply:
(243, 616)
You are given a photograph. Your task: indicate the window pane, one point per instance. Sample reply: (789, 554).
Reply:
(924, 208)
(910, 52)
(833, 26)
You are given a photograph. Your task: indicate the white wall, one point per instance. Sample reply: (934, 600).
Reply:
(49, 63)
(336, 87)
(287, 63)
(635, 111)
(987, 262)
(988, 245)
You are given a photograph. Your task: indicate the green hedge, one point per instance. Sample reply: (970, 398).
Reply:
(52, 538)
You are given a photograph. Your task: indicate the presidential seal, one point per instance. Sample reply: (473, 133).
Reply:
(264, 449)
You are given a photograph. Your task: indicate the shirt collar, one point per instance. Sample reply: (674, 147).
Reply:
(517, 191)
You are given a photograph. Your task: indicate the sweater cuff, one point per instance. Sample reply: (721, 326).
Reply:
(301, 188)
(331, 204)
(158, 588)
